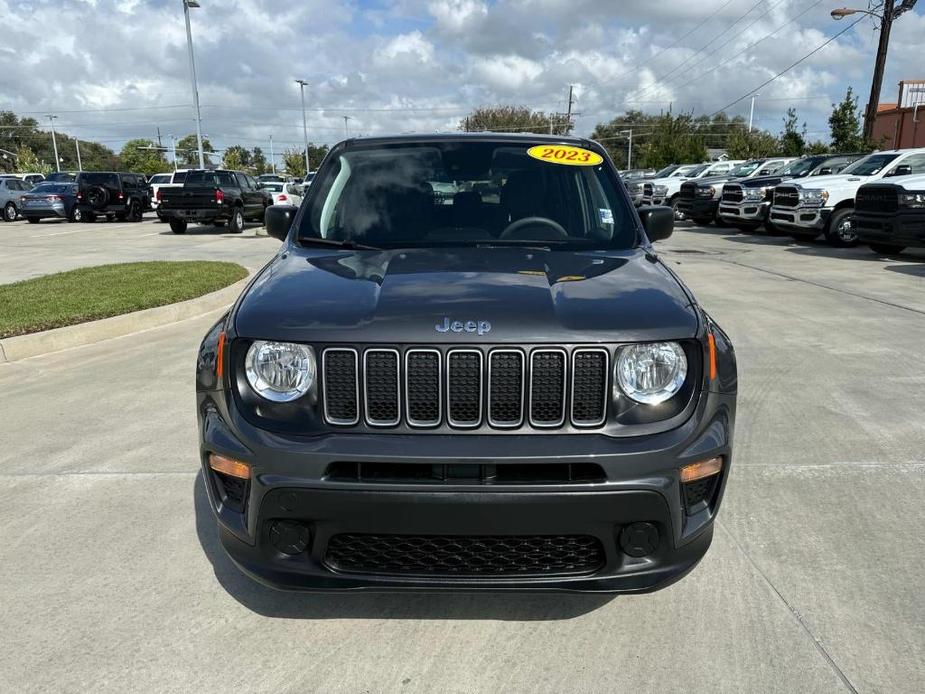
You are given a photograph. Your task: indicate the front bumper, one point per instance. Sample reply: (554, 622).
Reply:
(290, 482)
(744, 212)
(902, 228)
(806, 220)
(653, 200)
(698, 208)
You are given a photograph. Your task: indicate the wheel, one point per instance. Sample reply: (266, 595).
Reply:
(32, 220)
(76, 215)
(218, 224)
(236, 223)
(9, 212)
(886, 249)
(840, 230)
(178, 226)
(134, 211)
(678, 215)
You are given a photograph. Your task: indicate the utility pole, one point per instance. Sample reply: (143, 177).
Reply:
(346, 127)
(79, 165)
(272, 159)
(173, 146)
(886, 24)
(159, 137)
(629, 150)
(302, 84)
(751, 112)
(568, 115)
(187, 4)
(54, 140)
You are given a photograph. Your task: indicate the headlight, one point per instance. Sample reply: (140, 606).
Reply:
(813, 197)
(756, 194)
(651, 373)
(914, 199)
(634, 188)
(659, 190)
(706, 192)
(280, 371)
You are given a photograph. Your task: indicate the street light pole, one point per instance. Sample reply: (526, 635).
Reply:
(272, 159)
(173, 146)
(187, 4)
(54, 140)
(79, 165)
(346, 127)
(302, 84)
(629, 149)
(751, 112)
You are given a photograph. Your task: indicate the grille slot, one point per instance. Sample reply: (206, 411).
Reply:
(464, 388)
(423, 392)
(341, 392)
(506, 375)
(465, 555)
(876, 199)
(547, 387)
(380, 370)
(688, 191)
(466, 473)
(589, 387)
(786, 196)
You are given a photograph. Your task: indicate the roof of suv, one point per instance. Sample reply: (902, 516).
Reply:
(485, 136)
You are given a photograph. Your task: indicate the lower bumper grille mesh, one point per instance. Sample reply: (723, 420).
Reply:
(465, 555)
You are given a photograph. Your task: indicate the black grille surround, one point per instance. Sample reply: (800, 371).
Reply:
(732, 192)
(465, 555)
(786, 196)
(688, 191)
(872, 198)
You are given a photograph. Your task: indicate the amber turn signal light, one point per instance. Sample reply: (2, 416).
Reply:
(711, 343)
(227, 466)
(705, 468)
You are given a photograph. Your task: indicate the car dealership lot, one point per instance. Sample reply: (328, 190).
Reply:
(113, 579)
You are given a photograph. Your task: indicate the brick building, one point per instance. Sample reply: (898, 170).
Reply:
(902, 124)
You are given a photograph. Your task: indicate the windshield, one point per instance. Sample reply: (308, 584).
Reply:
(744, 169)
(179, 176)
(870, 165)
(160, 178)
(666, 172)
(800, 167)
(695, 171)
(52, 188)
(395, 196)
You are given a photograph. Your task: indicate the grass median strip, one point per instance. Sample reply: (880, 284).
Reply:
(91, 293)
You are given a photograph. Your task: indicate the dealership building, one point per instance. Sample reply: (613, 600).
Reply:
(900, 124)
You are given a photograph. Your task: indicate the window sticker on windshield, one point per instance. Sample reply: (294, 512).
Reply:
(606, 215)
(565, 154)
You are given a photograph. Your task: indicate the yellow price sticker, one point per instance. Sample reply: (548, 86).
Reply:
(565, 154)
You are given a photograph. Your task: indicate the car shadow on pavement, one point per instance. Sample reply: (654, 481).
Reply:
(294, 605)
(209, 230)
(820, 249)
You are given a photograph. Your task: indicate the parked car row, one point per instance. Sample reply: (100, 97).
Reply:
(876, 199)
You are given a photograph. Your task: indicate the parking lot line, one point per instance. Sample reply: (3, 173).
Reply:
(81, 231)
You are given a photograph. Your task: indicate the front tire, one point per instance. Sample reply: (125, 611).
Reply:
(134, 211)
(236, 223)
(178, 226)
(10, 212)
(886, 249)
(76, 215)
(840, 230)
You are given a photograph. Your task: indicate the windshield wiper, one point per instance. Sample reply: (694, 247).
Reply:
(347, 244)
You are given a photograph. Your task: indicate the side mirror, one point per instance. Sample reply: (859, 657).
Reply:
(278, 218)
(901, 170)
(657, 220)
(824, 171)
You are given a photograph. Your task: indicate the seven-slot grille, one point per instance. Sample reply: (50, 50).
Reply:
(465, 387)
(732, 192)
(876, 199)
(688, 191)
(786, 196)
(647, 190)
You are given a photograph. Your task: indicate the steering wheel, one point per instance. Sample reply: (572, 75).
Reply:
(551, 224)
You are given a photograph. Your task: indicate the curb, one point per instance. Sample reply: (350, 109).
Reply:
(34, 344)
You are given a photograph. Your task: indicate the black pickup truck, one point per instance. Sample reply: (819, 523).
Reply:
(213, 197)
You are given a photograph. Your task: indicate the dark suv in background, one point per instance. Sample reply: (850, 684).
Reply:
(122, 196)
(213, 197)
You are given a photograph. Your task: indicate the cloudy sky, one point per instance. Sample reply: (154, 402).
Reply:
(116, 69)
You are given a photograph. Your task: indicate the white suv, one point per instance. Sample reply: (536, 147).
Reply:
(825, 204)
(163, 180)
(664, 191)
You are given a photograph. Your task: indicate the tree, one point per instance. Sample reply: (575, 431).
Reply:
(259, 162)
(143, 156)
(743, 144)
(237, 158)
(845, 126)
(817, 147)
(188, 151)
(792, 141)
(514, 119)
(294, 159)
(27, 162)
(674, 139)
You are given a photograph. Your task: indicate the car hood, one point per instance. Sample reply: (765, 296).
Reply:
(761, 181)
(833, 180)
(526, 295)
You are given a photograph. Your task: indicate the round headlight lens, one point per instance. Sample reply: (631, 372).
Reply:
(651, 373)
(280, 371)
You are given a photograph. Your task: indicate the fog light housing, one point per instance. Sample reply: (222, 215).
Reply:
(699, 482)
(231, 481)
(290, 537)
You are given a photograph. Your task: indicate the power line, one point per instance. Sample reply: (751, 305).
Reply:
(791, 66)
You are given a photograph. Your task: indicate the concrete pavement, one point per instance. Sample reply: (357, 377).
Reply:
(113, 580)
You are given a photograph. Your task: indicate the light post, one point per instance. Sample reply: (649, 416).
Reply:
(272, 159)
(751, 112)
(890, 12)
(173, 147)
(302, 84)
(187, 5)
(54, 140)
(629, 149)
(77, 144)
(346, 127)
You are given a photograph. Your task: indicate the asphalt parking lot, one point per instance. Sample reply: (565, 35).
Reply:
(113, 580)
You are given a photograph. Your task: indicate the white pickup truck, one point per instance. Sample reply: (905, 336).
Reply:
(825, 204)
(163, 180)
(665, 191)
